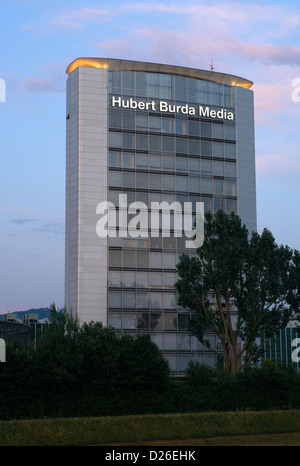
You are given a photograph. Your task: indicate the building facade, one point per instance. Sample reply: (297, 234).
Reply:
(284, 347)
(149, 147)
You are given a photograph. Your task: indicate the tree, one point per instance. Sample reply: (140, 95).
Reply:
(238, 286)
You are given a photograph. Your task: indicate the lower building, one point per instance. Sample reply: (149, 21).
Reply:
(284, 348)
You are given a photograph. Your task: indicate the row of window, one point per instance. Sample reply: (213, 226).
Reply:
(168, 86)
(142, 300)
(168, 182)
(142, 259)
(139, 121)
(169, 163)
(146, 280)
(210, 204)
(169, 144)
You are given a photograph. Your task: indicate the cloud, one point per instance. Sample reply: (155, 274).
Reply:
(43, 85)
(76, 19)
(22, 221)
(52, 227)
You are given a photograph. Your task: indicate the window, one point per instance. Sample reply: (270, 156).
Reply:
(169, 182)
(129, 321)
(181, 145)
(168, 163)
(181, 183)
(128, 179)
(181, 164)
(154, 124)
(230, 151)
(129, 300)
(115, 139)
(168, 144)
(170, 301)
(217, 130)
(229, 131)
(141, 180)
(142, 142)
(231, 188)
(181, 126)
(128, 141)
(168, 125)
(114, 278)
(155, 181)
(115, 299)
(206, 148)
(155, 260)
(142, 122)
(128, 279)
(115, 320)
(169, 260)
(128, 160)
(230, 169)
(115, 159)
(155, 143)
(218, 168)
(155, 280)
(115, 258)
(218, 149)
(219, 187)
(166, 86)
(156, 300)
(205, 129)
(142, 300)
(156, 321)
(206, 185)
(143, 321)
(206, 168)
(194, 184)
(115, 119)
(194, 146)
(142, 280)
(219, 203)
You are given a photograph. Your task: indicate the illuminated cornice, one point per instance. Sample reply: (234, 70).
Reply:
(129, 65)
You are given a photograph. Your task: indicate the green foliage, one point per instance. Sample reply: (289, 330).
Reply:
(93, 371)
(254, 282)
(82, 370)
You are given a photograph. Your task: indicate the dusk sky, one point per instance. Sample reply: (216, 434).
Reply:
(257, 41)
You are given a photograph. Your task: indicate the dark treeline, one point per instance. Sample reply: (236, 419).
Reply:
(92, 371)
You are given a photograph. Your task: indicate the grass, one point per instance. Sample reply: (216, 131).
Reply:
(226, 428)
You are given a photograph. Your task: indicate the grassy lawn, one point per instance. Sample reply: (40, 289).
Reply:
(227, 428)
(283, 439)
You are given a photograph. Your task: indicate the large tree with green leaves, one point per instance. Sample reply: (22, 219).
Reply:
(238, 286)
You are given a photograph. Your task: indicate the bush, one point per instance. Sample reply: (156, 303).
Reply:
(93, 371)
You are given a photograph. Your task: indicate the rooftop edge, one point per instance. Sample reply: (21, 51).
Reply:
(131, 65)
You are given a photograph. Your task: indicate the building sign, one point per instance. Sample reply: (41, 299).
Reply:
(167, 107)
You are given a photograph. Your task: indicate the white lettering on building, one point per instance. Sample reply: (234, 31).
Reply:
(167, 107)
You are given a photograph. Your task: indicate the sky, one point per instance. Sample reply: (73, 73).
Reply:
(259, 41)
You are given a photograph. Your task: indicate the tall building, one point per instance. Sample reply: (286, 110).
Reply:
(140, 135)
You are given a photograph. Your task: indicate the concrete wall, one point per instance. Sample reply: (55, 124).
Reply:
(86, 186)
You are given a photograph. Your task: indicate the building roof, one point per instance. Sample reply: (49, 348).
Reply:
(131, 65)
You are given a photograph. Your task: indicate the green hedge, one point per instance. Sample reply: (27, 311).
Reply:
(95, 372)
